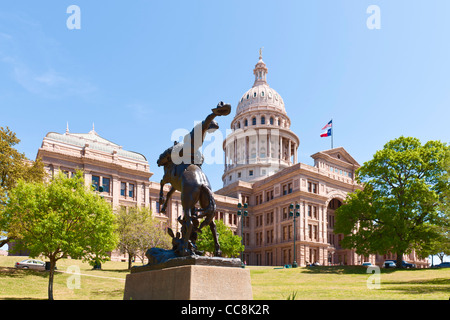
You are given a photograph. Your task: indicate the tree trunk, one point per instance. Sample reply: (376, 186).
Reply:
(399, 260)
(130, 258)
(50, 278)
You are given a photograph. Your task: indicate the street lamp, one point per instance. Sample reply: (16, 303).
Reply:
(295, 215)
(242, 213)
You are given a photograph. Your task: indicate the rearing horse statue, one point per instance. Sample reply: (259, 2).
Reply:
(182, 169)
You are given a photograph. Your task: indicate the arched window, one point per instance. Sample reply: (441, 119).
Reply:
(246, 123)
(254, 121)
(271, 120)
(263, 120)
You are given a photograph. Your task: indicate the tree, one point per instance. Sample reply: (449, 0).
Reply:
(58, 219)
(230, 244)
(401, 205)
(138, 231)
(13, 167)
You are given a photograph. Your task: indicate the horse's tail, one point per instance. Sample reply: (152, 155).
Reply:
(211, 208)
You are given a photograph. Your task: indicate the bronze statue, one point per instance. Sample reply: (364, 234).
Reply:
(182, 169)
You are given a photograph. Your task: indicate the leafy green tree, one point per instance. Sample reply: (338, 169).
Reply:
(13, 167)
(230, 244)
(401, 205)
(59, 219)
(138, 231)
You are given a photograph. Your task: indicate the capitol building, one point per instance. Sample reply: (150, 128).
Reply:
(261, 169)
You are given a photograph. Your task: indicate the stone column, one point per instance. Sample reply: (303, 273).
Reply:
(289, 151)
(115, 191)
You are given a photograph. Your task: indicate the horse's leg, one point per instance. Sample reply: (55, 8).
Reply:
(217, 251)
(188, 199)
(169, 194)
(161, 191)
(188, 232)
(207, 202)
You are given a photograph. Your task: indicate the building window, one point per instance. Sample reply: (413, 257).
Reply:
(271, 120)
(131, 190)
(263, 120)
(312, 187)
(254, 94)
(96, 182)
(289, 187)
(309, 211)
(106, 183)
(239, 174)
(254, 121)
(123, 187)
(250, 172)
(246, 122)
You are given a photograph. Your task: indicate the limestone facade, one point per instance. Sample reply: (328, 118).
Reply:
(124, 176)
(261, 169)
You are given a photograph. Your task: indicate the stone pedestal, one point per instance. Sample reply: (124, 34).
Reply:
(190, 282)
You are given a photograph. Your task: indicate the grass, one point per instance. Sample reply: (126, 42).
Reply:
(349, 282)
(268, 283)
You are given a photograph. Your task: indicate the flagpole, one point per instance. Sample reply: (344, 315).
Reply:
(332, 132)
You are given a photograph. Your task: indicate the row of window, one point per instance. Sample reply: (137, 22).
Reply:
(341, 172)
(287, 235)
(126, 189)
(262, 121)
(286, 189)
(262, 95)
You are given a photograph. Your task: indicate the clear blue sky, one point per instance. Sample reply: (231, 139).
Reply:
(140, 69)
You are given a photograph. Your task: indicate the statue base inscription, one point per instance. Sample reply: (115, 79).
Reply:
(192, 281)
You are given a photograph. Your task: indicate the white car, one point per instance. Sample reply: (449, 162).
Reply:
(31, 264)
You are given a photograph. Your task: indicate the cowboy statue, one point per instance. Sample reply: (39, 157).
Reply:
(182, 169)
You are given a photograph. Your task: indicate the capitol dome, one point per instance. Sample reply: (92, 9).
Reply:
(261, 142)
(261, 94)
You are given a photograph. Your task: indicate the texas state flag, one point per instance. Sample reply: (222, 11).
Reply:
(328, 132)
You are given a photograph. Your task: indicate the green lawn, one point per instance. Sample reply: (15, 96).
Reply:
(267, 282)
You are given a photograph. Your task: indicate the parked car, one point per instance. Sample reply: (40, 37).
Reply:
(443, 265)
(405, 264)
(389, 264)
(367, 264)
(31, 264)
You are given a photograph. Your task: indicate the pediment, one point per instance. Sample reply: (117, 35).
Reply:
(337, 155)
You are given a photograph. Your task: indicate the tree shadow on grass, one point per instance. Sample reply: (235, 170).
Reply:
(99, 293)
(114, 270)
(22, 298)
(21, 273)
(426, 286)
(341, 270)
